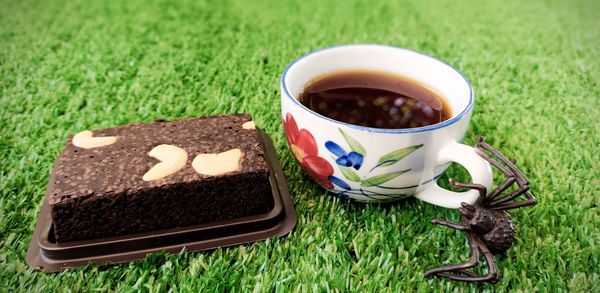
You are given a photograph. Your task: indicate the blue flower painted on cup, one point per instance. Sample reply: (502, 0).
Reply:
(352, 159)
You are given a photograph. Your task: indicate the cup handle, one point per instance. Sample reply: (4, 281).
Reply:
(478, 168)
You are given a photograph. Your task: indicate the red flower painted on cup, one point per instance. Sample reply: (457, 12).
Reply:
(304, 147)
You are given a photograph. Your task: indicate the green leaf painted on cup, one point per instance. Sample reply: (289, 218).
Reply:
(350, 174)
(395, 156)
(383, 178)
(353, 143)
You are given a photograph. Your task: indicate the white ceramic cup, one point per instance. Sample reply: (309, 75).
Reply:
(373, 164)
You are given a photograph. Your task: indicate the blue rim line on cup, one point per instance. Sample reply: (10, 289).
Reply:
(383, 130)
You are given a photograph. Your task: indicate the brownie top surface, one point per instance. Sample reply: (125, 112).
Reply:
(119, 167)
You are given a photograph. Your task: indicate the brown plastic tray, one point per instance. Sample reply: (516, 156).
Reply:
(47, 255)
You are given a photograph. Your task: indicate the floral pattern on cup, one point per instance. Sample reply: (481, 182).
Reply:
(304, 147)
(350, 162)
(349, 157)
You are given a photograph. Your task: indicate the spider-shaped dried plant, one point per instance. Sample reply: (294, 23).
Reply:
(488, 226)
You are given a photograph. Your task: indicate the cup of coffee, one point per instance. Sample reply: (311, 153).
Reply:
(377, 123)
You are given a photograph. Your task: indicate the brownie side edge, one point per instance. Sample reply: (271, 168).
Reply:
(176, 205)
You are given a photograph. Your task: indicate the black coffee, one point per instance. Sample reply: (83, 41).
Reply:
(375, 99)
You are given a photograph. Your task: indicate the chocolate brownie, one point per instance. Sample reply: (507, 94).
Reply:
(143, 177)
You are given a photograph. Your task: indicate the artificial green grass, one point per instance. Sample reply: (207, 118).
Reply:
(66, 66)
